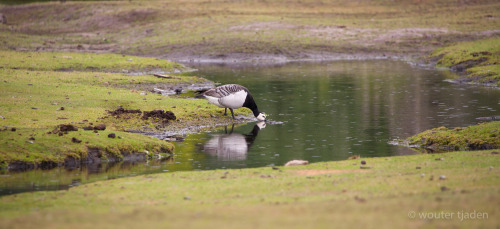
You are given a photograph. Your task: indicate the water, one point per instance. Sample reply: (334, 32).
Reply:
(329, 111)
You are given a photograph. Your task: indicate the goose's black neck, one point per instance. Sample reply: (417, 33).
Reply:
(250, 104)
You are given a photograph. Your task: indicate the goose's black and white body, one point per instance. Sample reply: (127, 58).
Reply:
(233, 96)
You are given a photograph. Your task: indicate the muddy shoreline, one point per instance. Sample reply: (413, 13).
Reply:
(263, 59)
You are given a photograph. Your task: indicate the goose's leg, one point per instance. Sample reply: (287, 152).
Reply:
(225, 111)
(231, 109)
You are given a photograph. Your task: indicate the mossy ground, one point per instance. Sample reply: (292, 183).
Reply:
(480, 60)
(314, 196)
(36, 99)
(482, 136)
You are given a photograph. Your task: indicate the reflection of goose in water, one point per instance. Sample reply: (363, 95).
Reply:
(232, 146)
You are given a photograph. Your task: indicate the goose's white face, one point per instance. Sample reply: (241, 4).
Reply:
(261, 117)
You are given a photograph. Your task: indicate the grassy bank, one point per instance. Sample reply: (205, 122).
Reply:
(395, 192)
(478, 60)
(48, 99)
(482, 136)
(248, 30)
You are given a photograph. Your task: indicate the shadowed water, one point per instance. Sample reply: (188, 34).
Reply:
(319, 112)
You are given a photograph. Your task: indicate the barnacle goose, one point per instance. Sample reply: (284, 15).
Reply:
(233, 96)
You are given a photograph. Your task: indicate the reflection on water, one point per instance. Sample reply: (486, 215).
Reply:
(329, 111)
(232, 146)
(62, 178)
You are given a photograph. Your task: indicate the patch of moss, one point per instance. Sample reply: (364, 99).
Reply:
(482, 136)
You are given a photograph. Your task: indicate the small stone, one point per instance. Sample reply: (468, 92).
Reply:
(444, 188)
(187, 198)
(275, 168)
(422, 175)
(494, 152)
(365, 167)
(60, 109)
(440, 159)
(13, 129)
(418, 167)
(112, 135)
(442, 177)
(297, 162)
(363, 162)
(32, 139)
(76, 140)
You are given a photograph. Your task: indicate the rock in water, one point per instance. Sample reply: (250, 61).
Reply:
(296, 162)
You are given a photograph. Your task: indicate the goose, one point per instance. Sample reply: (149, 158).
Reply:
(233, 96)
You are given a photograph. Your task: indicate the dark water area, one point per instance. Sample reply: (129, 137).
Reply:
(328, 111)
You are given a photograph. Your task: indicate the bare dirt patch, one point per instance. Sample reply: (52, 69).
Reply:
(159, 116)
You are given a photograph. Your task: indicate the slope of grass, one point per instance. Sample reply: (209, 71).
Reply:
(396, 192)
(36, 100)
(242, 29)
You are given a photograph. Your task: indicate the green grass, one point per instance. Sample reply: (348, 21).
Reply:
(33, 95)
(482, 136)
(479, 59)
(61, 61)
(340, 193)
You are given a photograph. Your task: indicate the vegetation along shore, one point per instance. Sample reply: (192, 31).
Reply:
(73, 108)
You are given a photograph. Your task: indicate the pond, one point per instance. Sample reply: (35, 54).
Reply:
(319, 112)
